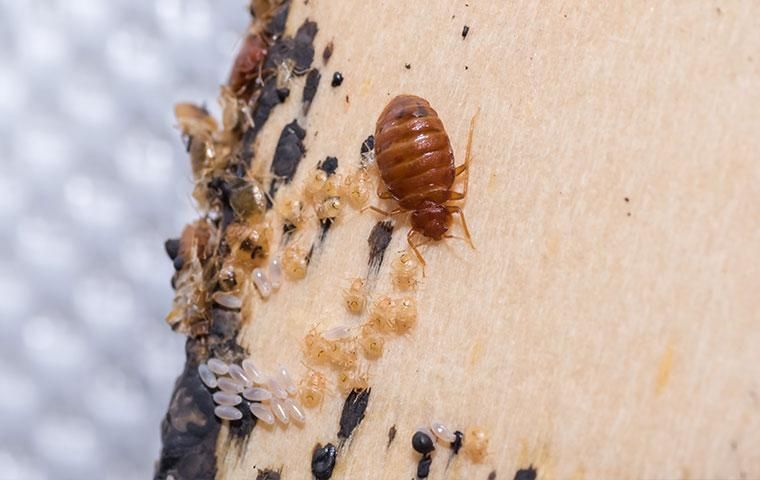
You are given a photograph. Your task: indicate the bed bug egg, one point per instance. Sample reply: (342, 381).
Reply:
(442, 432)
(228, 385)
(475, 444)
(207, 376)
(261, 282)
(257, 394)
(227, 300)
(406, 314)
(253, 373)
(284, 378)
(238, 375)
(275, 273)
(217, 366)
(372, 343)
(278, 408)
(404, 269)
(422, 442)
(337, 333)
(224, 398)
(294, 262)
(228, 412)
(355, 296)
(382, 314)
(276, 388)
(262, 412)
(294, 410)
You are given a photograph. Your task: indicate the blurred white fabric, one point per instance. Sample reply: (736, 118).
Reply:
(94, 178)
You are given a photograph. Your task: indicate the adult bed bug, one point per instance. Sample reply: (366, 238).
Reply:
(416, 163)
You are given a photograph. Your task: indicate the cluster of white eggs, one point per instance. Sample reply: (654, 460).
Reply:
(271, 396)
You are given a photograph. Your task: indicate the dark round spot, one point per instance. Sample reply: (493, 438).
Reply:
(172, 247)
(178, 262)
(323, 461)
(423, 468)
(337, 79)
(422, 442)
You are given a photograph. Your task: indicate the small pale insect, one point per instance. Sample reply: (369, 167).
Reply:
(404, 271)
(316, 348)
(352, 380)
(342, 353)
(294, 262)
(262, 412)
(228, 412)
(217, 366)
(314, 185)
(224, 398)
(382, 315)
(406, 314)
(311, 391)
(442, 432)
(475, 444)
(292, 210)
(262, 283)
(372, 342)
(355, 296)
(356, 188)
(329, 208)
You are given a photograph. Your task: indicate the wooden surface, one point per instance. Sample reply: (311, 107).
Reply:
(592, 336)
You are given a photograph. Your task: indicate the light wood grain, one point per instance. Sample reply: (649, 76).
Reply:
(593, 337)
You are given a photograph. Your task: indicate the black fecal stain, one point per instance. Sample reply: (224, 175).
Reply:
(368, 145)
(178, 262)
(408, 66)
(492, 475)
(323, 461)
(526, 473)
(423, 468)
(327, 52)
(189, 429)
(324, 227)
(287, 155)
(328, 165)
(353, 412)
(465, 31)
(337, 79)
(279, 18)
(172, 247)
(391, 436)
(378, 240)
(287, 232)
(310, 89)
(303, 52)
(219, 194)
(268, 474)
(282, 94)
(456, 445)
(626, 199)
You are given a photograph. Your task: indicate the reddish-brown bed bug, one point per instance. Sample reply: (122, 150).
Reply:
(416, 163)
(248, 64)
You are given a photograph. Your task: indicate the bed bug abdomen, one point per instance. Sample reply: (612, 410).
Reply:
(413, 152)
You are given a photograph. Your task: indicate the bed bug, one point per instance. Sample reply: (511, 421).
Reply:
(371, 342)
(382, 315)
(416, 163)
(312, 389)
(355, 296)
(475, 444)
(356, 188)
(248, 64)
(404, 271)
(295, 261)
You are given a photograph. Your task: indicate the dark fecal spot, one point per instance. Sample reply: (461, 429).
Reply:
(276, 25)
(282, 94)
(422, 443)
(368, 145)
(465, 31)
(328, 165)
(628, 214)
(391, 435)
(172, 247)
(178, 262)
(327, 52)
(627, 199)
(323, 461)
(378, 240)
(348, 100)
(268, 474)
(240, 429)
(423, 468)
(324, 227)
(466, 67)
(287, 155)
(353, 412)
(303, 52)
(337, 79)
(526, 473)
(492, 475)
(408, 66)
(457, 443)
(310, 89)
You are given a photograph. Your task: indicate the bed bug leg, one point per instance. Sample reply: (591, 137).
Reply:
(455, 209)
(395, 211)
(414, 249)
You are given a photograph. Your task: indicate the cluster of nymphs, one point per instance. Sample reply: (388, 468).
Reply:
(272, 397)
(474, 444)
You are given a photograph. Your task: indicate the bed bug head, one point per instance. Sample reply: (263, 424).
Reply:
(431, 219)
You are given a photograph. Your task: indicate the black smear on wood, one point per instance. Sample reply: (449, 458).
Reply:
(391, 436)
(423, 468)
(526, 473)
(268, 474)
(492, 475)
(323, 461)
(353, 412)
(310, 89)
(465, 31)
(327, 52)
(379, 238)
(324, 227)
(329, 165)
(189, 429)
(303, 53)
(287, 155)
(276, 25)
(456, 445)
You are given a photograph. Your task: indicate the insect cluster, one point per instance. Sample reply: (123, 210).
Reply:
(473, 443)
(270, 397)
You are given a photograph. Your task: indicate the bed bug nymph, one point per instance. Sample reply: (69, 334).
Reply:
(416, 163)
